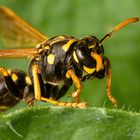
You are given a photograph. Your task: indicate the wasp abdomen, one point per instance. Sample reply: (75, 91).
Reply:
(11, 88)
(7, 99)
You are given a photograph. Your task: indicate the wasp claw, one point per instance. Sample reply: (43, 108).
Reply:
(82, 105)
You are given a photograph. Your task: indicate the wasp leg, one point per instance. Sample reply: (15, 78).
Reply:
(109, 78)
(37, 90)
(10, 84)
(77, 83)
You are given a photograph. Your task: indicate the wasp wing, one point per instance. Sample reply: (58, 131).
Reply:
(20, 53)
(15, 32)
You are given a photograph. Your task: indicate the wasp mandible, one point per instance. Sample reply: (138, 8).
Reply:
(55, 63)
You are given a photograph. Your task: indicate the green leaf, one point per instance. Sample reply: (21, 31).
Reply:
(61, 123)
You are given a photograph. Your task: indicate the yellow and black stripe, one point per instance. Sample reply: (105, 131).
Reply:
(12, 84)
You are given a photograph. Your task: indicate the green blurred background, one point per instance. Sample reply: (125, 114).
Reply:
(91, 17)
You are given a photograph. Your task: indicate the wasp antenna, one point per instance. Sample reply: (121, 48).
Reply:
(117, 28)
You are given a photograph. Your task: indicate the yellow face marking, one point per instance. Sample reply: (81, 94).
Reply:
(14, 77)
(89, 70)
(66, 46)
(50, 59)
(28, 80)
(75, 57)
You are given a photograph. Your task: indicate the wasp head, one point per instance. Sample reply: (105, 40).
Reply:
(89, 54)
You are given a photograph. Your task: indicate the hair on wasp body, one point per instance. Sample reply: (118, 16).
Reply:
(60, 59)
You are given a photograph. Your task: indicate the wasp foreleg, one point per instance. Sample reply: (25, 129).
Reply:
(77, 83)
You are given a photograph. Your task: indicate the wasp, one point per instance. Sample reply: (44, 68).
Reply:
(55, 63)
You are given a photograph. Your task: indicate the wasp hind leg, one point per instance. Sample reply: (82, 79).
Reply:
(77, 83)
(38, 90)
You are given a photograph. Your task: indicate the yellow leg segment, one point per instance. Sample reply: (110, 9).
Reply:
(77, 83)
(37, 90)
(109, 76)
(68, 104)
